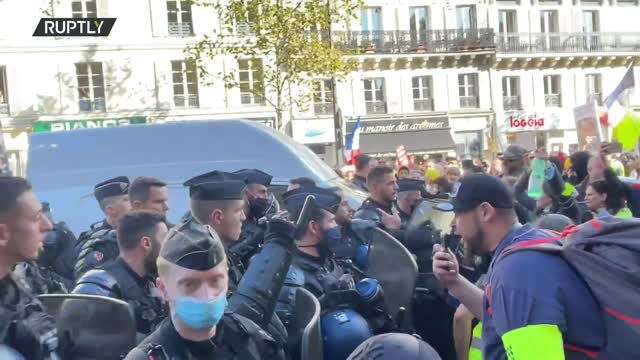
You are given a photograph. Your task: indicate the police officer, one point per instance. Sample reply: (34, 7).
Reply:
(24, 324)
(131, 277)
(99, 246)
(257, 204)
(216, 200)
(59, 254)
(379, 206)
(193, 278)
(149, 193)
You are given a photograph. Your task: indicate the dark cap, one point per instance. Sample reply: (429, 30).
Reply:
(255, 176)
(394, 346)
(410, 185)
(325, 199)
(112, 187)
(216, 185)
(514, 152)
(193, 246)
(475, 189)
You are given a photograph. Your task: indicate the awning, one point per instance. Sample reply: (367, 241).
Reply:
(414, 141)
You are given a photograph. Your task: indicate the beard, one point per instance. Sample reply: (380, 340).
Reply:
(150, 266)
(476, 243)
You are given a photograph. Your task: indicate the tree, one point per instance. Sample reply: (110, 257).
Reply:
(286, 43)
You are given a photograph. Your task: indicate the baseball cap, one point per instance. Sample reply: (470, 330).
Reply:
(514, 152)
(477, 188)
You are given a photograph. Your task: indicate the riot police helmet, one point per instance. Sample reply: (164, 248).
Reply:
(342, 332)
(394, 346)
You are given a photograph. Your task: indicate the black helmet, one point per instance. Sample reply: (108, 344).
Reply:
(394, 346)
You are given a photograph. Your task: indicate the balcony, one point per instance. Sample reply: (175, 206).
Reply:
(408, 42)
(88, 105)
(323, 108)
(4, 109)
(511, 103)
(423, 104)
(553, 100)
(528, 43)
(251, 99)
(376, 107)
(597, 98)
(469, 102)
(181, 29)
(185, 101)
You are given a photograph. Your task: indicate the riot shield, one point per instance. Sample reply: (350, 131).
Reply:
(395, 269)
(437, 212)
(307, 315)
(92, 327)
(7, 353)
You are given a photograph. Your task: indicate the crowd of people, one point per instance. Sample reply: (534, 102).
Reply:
(229, 280)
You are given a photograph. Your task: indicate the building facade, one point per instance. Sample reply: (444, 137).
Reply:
(433, 74)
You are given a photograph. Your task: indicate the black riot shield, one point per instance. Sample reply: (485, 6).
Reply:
(395, 269)
(437, 212)
(307, 315)
(92, 327)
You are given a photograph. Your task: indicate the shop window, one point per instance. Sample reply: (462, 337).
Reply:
(594, 88)
(468, 144)
(323, 97)
(468, 90)
(511, 99)
(90, 87)
(374, 96)
(84, 9)
(185, 84)
(422, 93)
(251, 82)
(180, 19)
(552, 90)
(4, 95)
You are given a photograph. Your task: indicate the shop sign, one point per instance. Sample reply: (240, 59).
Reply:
(399, 125)
(67, 125)
(314, 131)
(519, 121)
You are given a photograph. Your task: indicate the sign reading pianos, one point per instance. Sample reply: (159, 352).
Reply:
(67, 125)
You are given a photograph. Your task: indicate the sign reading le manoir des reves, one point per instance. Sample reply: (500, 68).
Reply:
(66, 125)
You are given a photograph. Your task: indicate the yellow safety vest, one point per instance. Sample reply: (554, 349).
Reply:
(475, 351)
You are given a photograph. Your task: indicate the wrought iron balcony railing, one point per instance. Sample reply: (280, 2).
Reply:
(181, 29)
(553, 100)
(511, 103)
(399, 42)
(467, 102)
(323, 108)
(376, 107)
(88, 105)
(567, 42)
(423, 104)
(186, 101)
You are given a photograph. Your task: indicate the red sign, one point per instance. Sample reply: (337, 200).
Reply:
(532, 121)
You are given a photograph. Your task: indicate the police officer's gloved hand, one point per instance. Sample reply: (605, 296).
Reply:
(34, 337)
(280, 231)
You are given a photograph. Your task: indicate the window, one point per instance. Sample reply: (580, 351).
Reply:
(419, 25)
(185, 84)
(4, 96)
(180, 20)
(374, 96)
(84, 9)
(371, 19)
(422, 93)
(323, 97)
(594, 88)
(552, 86)
(627, 2)
(251, 82)
(466, 17)
(508, 21)
(90, 86)
(511, 93)
(468, 90)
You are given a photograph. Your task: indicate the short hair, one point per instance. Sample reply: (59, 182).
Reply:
(378, 172)
(362, 161)
(108, 201)
(140, 188)
(136, 225)
(201, 210)
(303, 182)
(453, 170)
(11, 188)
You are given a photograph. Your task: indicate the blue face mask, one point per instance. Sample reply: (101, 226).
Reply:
(201, 314)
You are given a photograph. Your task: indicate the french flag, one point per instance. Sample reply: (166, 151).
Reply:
(352, 148)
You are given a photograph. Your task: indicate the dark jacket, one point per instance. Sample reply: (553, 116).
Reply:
(360, 183)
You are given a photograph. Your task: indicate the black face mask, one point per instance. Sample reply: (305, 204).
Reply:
(330, 236)
(259, 207)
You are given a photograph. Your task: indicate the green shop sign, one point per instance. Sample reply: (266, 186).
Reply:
(66, 125)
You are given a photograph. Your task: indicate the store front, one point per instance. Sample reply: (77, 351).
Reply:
(319, 135)
(469, 130)
(67, 125)
(380, 137)
(553, 129)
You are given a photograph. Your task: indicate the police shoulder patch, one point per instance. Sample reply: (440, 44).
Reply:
(99, 256)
